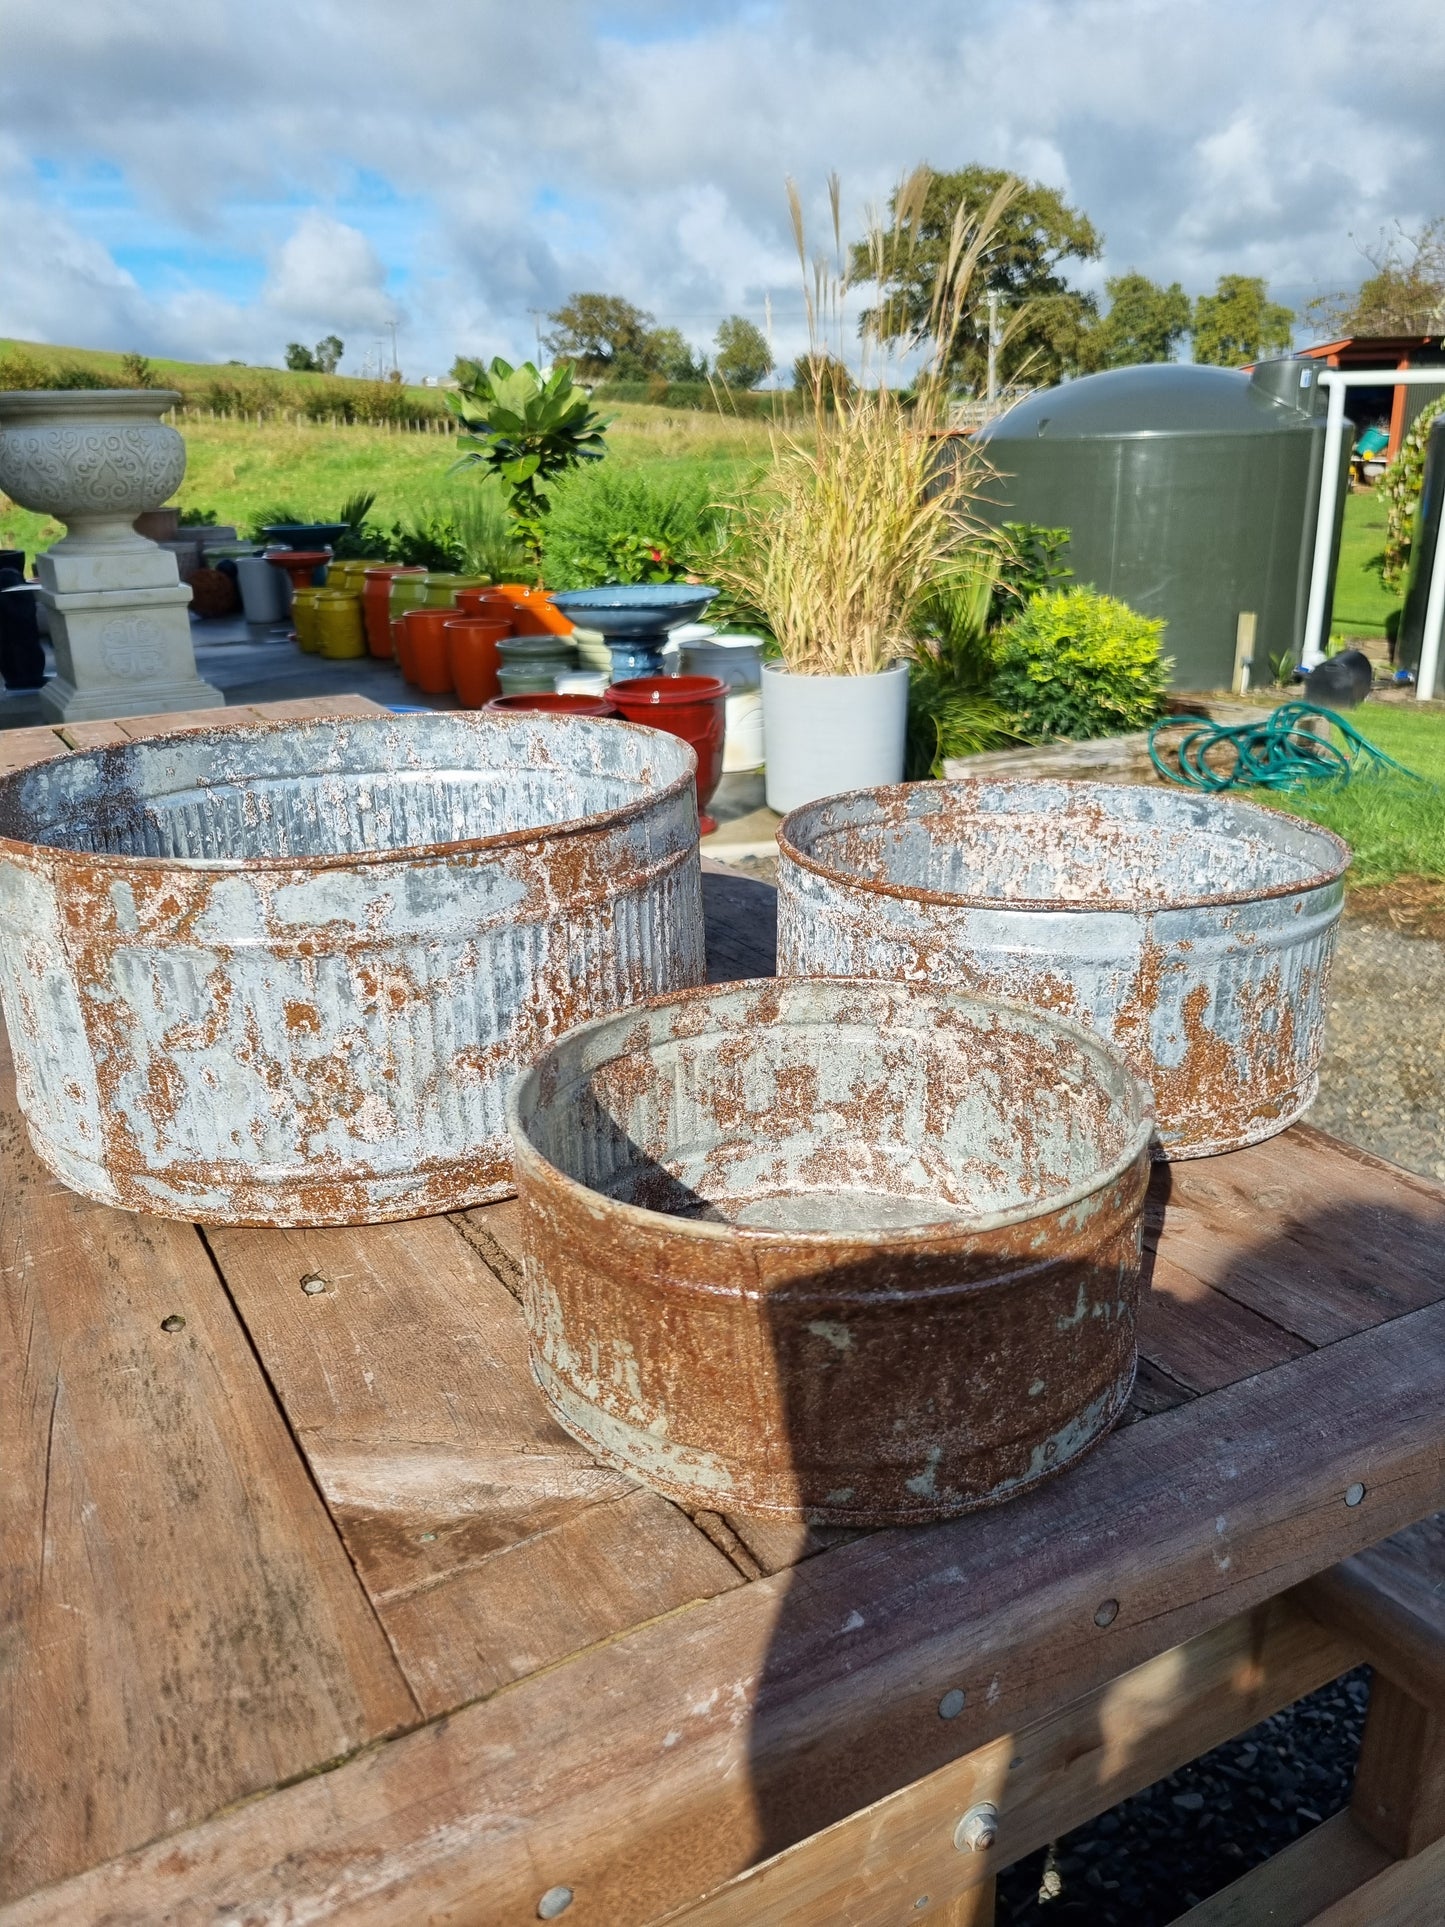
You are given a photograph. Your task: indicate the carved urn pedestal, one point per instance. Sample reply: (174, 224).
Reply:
(98, 458)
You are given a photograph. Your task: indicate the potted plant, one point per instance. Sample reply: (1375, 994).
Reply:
(839, 546)
(526, 428)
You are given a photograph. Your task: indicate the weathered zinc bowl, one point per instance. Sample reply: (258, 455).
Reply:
(851, 1252)
(283, 974)
(1193, 933)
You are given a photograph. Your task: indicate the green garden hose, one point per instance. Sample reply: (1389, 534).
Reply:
(1280, 752)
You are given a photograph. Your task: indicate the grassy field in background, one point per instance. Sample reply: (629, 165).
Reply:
(1362, 602)
(241, 468)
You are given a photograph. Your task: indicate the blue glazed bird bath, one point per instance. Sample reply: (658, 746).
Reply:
(634, 618)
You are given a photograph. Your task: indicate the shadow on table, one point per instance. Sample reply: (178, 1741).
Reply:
(855, 1698)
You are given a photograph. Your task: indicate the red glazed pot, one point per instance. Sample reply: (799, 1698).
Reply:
(490, 603)
(553, 705)
(473, 659)
(376, 605)
(300, 564)
(426, 643)
(692, 707)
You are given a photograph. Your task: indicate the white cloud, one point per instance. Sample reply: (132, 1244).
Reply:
(491, 158)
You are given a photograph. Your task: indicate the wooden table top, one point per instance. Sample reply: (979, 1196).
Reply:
(311, 1611)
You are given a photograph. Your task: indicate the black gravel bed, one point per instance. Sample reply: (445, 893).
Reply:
(1151, 1858)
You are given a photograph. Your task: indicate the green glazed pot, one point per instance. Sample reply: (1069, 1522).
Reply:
(441, 589)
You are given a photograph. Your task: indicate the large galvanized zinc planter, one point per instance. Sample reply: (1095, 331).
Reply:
(284, 974)
(1192, 932)
(855, 1253)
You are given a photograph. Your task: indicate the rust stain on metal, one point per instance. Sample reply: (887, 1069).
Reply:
(1193, 932)
(843, 1251)
(283, 974)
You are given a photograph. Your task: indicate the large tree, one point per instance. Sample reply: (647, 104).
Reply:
(1145, 322)
(743, 355)
(601, 337)
(1239, 323)
(1044, 318)
(669, 353)
(1405, 295)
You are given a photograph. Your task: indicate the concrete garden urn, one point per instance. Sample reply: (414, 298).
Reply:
(96, 459)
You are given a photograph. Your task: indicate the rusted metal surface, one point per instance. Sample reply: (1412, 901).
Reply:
(283, 974)
(851, 1252)
(1193, 933)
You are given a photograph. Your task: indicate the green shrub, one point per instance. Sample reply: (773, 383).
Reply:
(719, 398)
(1030, 561)
(615, 525)
(1077, 664)
(1400, 485)
(952, 710)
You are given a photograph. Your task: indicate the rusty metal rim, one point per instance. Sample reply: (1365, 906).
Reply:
(1125, 906)
(911, 1237)
(55, 853)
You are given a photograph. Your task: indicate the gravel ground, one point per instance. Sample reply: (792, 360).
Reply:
(1381, 1075)
(1148, 1859)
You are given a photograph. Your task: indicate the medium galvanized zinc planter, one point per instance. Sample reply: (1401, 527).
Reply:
(1193, 933)
(284, 974)
(850, 1252)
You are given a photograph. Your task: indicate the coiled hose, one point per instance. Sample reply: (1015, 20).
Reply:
(1279, 752)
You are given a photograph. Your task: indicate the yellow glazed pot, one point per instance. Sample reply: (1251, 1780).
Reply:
(339, 628)
(303, 617)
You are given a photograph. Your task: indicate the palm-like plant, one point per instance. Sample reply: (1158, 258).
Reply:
(526, 428)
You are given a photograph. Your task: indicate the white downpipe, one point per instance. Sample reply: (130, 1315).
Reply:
(1429, 670)
(1338, 381)
(1314, 643)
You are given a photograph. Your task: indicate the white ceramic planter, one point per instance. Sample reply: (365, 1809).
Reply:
(737, 661)
(97, 458)
(827, 734)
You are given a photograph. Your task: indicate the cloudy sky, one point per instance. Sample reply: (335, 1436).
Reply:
(211, 180)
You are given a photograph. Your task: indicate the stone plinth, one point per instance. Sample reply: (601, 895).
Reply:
(97, 458)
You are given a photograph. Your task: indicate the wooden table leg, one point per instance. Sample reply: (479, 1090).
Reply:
(1399, 1796)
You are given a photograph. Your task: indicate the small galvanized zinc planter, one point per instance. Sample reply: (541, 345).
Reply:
(284, 974)
(1193, 933)
(855, 1253)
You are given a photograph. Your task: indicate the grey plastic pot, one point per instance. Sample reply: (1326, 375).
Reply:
(825, 734)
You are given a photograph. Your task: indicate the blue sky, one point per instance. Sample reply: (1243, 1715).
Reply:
(182, 179)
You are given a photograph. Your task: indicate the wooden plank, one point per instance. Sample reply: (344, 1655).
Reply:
(877, 1866)
(1391, 1599)
(1377, 1250)
(93, 735)
(302, 709)
(1404, 1894)
(21, 747)
(741, 916)
(1202, 1337)
(183, 1627)
(488, 1539)
(1301, 1883)
(748, 1722)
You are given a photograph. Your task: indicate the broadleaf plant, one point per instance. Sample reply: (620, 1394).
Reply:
(526, 428)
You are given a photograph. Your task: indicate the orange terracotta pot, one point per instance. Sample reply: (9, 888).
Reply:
(490, 603)
(473, 659)
(533, 614)
(376, 605)
(426, 639)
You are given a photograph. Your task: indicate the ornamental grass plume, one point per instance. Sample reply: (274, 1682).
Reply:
(838, 548)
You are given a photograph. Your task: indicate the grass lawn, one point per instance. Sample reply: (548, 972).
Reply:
(240, 468)
(1395, 826)
(1362, 602)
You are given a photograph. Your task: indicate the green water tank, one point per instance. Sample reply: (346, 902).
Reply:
(1426, 535)
(1188, 492)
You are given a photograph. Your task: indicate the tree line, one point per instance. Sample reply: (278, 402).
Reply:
(1049, 329)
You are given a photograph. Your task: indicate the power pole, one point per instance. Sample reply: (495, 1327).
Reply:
(394, 362)
(536, 314)
(992, 394)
